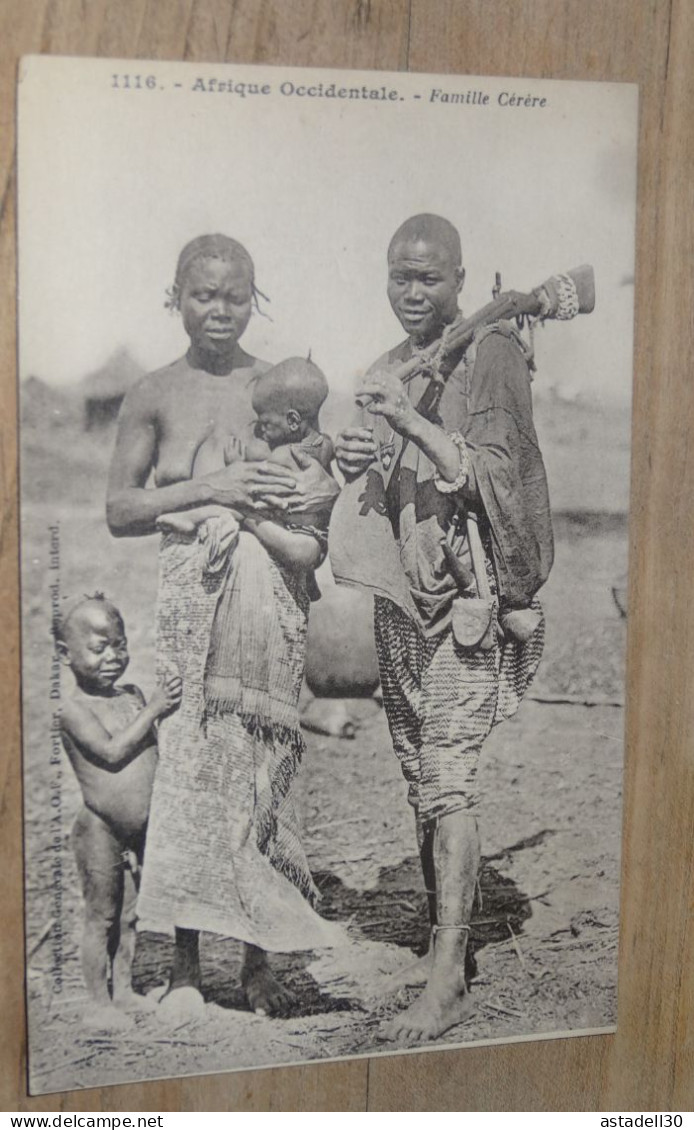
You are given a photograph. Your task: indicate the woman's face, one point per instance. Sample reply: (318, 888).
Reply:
(215, 303)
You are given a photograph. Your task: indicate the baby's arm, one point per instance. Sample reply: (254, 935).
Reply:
(113, 751)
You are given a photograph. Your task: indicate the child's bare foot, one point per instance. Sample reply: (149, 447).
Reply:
(106, 1018)
(132, 1002)
(175, 524)
(181, 1006)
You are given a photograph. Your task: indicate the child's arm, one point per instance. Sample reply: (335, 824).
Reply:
(113, 751)
(291, 547)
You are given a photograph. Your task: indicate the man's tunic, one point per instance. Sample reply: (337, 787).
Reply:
(387, 535)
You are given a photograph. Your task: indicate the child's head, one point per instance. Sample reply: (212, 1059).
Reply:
(287, 400)
(90, 637)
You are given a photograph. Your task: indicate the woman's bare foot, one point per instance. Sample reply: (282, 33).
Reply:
(106, 1018)
(263, 992)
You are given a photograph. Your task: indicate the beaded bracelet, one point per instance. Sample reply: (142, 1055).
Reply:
(465, 471)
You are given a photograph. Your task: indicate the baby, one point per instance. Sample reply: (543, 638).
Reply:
(108, 735)
(286, 400)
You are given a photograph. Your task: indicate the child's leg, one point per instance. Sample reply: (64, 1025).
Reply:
(100, 866)
(123, 995)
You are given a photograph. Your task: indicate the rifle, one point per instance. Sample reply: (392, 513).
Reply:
(559, 298)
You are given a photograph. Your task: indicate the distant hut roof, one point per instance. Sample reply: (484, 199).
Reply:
(114, 378)
(103, 390)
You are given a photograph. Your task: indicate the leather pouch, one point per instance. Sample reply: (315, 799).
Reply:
(473, 621)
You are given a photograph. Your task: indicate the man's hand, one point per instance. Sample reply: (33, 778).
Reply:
(390, 400)
(355, 450)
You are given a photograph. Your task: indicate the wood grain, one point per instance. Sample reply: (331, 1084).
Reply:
(649, 1064)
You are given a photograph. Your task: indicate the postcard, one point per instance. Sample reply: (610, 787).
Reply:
(325, 384)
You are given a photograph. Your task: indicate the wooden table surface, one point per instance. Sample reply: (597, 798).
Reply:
(649, 1064)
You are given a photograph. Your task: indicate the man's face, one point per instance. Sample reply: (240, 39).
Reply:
(423, 287)
(95, 647)
(215, 303)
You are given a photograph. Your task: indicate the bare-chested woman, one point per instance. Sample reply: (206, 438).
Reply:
(207, 868)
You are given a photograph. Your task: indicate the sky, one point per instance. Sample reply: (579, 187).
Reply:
(113, 182)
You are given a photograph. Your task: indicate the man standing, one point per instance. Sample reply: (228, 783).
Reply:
(446, 519)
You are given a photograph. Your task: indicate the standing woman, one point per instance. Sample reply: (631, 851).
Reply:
(223, 851)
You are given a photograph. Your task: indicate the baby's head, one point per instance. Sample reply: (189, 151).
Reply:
(90, 637)
(287, 400)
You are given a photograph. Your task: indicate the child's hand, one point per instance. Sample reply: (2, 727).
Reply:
(167, 696)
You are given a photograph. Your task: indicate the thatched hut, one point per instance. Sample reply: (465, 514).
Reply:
(103, 391)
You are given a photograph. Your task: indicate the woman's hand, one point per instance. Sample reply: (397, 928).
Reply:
(314, 488)
(249, 486)
(390, 400)
(355, 450)
(255, 487)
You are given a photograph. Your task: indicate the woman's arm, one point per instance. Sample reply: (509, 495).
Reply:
(131, 508)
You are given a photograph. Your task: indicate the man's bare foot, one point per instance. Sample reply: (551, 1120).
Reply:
(264, 993)
(106, 1018)
(132, 1002)
(181, 1006)
(441, 1006)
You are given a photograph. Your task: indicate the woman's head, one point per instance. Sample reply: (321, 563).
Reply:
(214, 290)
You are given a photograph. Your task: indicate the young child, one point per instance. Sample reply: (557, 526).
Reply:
(286, 400)
(108, 735)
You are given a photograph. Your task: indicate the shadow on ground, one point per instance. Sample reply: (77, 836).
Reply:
(393, 912)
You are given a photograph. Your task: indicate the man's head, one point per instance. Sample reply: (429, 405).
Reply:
(287, 400)
(425, 275)
(90, 637)
(214, 290)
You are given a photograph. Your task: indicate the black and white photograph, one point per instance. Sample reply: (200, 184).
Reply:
(325, 405)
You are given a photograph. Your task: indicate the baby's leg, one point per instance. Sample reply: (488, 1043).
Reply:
(186, 521)
(100, 867)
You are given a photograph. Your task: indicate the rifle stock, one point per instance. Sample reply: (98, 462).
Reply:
(511, 304)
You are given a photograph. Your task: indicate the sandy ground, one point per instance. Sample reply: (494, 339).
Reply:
(545, 925)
